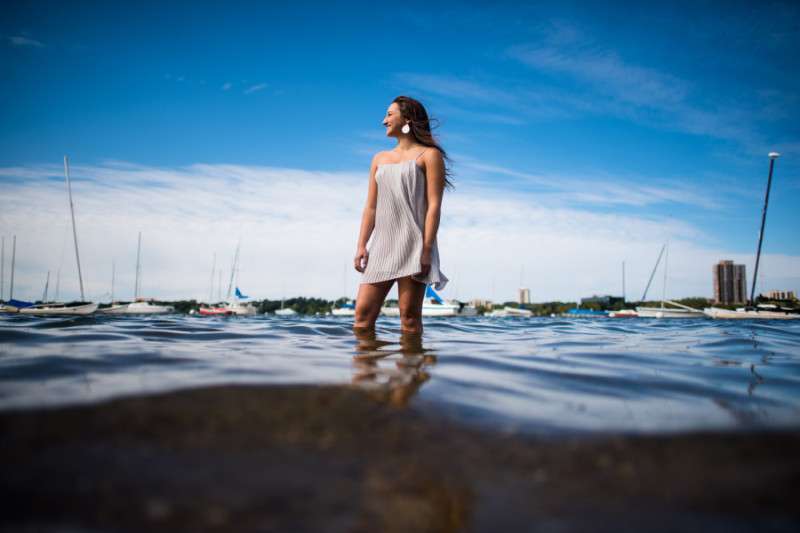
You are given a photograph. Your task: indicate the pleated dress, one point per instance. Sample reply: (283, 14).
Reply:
(396, 244)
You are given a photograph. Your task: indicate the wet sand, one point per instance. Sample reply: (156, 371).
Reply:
(334, 459)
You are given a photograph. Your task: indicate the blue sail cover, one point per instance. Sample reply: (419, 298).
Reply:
(239, 294)
(17, 304)
(430, 293)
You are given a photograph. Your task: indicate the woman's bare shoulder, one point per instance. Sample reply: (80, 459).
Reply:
(432, 156)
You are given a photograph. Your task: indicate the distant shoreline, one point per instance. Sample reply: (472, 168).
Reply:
(320, 306)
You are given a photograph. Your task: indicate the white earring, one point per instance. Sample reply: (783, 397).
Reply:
(405, 129)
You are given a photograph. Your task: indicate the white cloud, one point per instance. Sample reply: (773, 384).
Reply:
(608, 73)
(18, 40)
(298, 231)
(226, 87)
(255, 88)
(599, 189)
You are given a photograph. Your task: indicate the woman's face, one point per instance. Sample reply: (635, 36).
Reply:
(394, 121)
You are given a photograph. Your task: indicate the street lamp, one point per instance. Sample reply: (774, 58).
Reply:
(772, 157)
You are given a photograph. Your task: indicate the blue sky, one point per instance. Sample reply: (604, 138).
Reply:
(580, 131)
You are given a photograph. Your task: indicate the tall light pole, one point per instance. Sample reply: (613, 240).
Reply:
(772, 157)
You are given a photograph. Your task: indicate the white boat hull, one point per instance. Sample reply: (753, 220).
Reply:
(240, 309)
(436, 309)
(467, 310)
(510, 311)
(85, 309)
(441, 310)
(114, 310)
(715, 312)
(147, 308)
(137, 308)
(659, 312)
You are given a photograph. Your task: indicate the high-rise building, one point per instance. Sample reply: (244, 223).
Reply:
(523, 296)
(730, 286)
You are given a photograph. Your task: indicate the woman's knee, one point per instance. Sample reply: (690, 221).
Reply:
(366, 314)
(411, 319)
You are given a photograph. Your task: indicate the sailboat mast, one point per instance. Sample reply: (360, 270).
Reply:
(74, 231)
(772, 157)
(653, 273)
(233, 271)
(13, 260)
(46, 286)
(138, 273)
(211, 291)
(2, 268)
(666, 259)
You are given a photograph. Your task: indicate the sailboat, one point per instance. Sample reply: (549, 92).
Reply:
(285, 311)
(234, 304)
(510, 311)
(237, 307)
(213, 310)
(73, 308)
(139, 306)
(757, 311)
(12, 305)
(434, 305)
(348, 307)
(679, 310)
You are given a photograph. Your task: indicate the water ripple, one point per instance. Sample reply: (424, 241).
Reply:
(536, 375)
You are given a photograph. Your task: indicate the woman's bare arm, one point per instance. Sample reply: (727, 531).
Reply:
(435, 177)
(367, 219)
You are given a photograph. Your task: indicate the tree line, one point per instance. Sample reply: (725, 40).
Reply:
(319, 306)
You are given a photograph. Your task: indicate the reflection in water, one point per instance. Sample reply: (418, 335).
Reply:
(388, 372)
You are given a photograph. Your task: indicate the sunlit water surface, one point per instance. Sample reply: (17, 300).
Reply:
(534, 375)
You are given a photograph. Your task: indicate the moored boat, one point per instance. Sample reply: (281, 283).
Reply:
(139, 305)
(239, 308)
(212, 310)
(679, 311)
(13, 306)
(759, 312)
(434, 305)
(586, 313)
(59, 308)
(56, 308)
(623, 313)
(147, 306)
(510, 311)
(348, 308)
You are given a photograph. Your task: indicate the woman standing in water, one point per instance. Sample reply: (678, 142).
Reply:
(402, 214)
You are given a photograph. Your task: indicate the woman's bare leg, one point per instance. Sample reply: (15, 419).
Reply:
(410, 296)
(369, 302)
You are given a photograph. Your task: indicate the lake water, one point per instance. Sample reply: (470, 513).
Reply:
(531, 375)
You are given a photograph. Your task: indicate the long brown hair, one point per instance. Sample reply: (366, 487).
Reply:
(421, 129)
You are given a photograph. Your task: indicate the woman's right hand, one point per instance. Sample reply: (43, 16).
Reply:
(360, 261)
